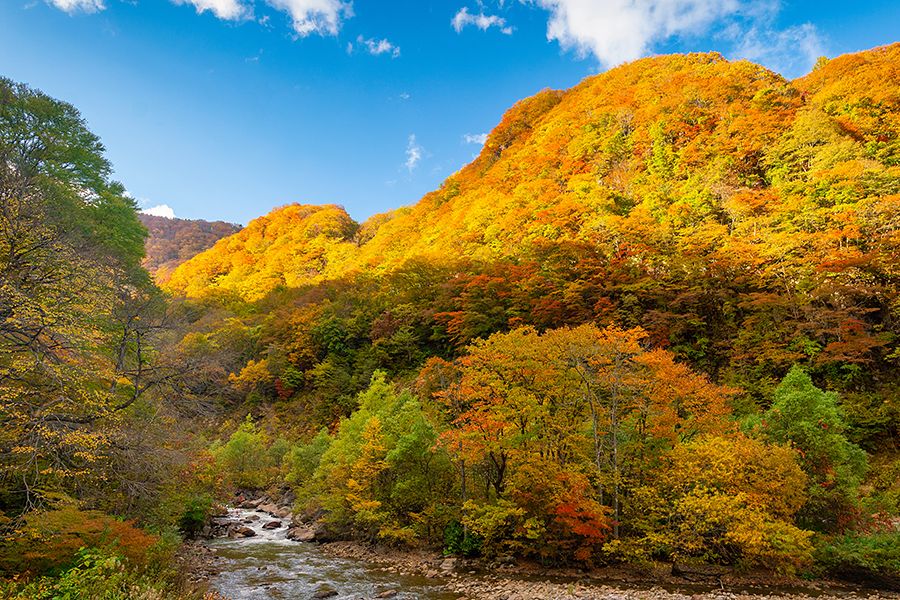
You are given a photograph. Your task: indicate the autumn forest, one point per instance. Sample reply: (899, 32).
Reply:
(656, 321)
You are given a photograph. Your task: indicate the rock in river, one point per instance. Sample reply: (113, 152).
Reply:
(242, 532)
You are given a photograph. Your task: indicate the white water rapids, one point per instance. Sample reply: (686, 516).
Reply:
(268, 565)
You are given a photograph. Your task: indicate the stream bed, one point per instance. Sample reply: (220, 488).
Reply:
(268, 565)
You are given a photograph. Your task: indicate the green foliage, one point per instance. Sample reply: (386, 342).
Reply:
(871, 558)
(99, 575)
(811, 421)
(458, 540)
(380, 474)
(303, 459)
(500, 527)
(195, 514)
(245, 457)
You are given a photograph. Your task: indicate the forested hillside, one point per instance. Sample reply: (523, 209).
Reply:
(746, 222)
(655, 319)
(170, 242)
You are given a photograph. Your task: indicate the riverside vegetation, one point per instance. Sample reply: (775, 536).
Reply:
(654, 321)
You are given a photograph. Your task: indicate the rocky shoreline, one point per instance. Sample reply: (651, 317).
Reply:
(508, 580)
(473, 581)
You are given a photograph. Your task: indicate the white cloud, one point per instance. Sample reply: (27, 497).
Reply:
(376, 47)
(161, 210)
(322, 17)
(413, 153)
(475, 138)
(792, 51)
(405, 96)
(463, 18)
(73, 6)
(224, 9)
(616, 31)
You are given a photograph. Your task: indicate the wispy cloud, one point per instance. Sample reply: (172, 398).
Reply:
(790, 51)
(160, 210)
(475, 138)
(229, 10)
(376, 47)
(74, 6)
(321, 17)
(463, 18)
(616, 31)
(413, 153)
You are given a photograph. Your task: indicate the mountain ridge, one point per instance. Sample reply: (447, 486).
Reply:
(544, 120)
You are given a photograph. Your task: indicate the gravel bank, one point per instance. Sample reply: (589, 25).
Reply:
(473, 581)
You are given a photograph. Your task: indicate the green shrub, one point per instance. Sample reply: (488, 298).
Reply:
(872, 558)
(98, 575)
(458, 540)
(196, 511)
(245, 457)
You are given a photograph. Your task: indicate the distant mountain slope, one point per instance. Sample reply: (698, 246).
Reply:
(746, 221)
(684, 145)
(173, 241)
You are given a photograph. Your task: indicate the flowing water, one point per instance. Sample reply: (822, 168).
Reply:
(269, 565)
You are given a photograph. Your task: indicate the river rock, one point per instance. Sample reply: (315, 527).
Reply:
(242, 532)
(448, 564)
(323, 534)
(325, 592)
(386, 594)
(283, 513)
(301, 534)
(268, 508)
(272, 525)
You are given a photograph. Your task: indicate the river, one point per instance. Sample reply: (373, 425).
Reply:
(268, 565)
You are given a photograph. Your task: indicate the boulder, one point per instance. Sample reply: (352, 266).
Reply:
(268, 508)
(448, 564)
(325, 592)
(321, 533)
(386, 594)
(272, 525)
(242, 532)
(301, 534)
(283, 513)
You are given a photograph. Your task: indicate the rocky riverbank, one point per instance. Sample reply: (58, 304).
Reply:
(477, 581)
(509, 580)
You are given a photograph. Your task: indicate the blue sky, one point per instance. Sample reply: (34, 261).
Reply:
(223, 109)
